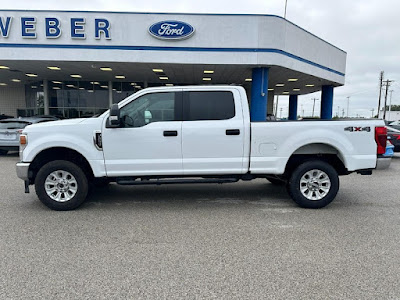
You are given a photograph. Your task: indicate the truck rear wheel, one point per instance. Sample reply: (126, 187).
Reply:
(313, 184)
(61, 185)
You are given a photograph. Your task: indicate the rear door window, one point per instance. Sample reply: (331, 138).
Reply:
(208, 105)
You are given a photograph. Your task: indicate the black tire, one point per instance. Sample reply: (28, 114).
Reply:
(276, 180)
(3, 152)
(296, 194)
(66, 166)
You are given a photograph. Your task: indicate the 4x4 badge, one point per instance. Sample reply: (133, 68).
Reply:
(351, 129)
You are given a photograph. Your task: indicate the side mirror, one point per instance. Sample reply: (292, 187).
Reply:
(114, 118)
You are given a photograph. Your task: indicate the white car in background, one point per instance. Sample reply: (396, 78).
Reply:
(10, 129)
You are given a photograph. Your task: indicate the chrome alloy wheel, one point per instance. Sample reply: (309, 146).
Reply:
(61, 186)
(315, 184)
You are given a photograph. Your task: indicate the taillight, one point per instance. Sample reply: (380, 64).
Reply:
(381, 138)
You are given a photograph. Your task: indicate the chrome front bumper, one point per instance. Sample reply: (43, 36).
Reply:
(22, 170)
(383, 163)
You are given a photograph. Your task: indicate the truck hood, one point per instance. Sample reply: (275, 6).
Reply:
(57, 125)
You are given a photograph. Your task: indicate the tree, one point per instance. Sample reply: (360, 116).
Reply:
(394, 108)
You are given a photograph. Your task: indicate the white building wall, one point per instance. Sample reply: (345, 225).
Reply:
(393, 116)
(11, 99)
(218, 39)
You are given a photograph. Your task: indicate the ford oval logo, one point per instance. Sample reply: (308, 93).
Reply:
(171, 30)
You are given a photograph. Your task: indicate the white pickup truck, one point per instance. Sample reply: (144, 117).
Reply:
(194, 134)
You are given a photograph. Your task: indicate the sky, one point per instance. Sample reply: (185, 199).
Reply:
(368, 30)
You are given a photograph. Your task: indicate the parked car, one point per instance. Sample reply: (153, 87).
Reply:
(195, 134)
(3, 116)
(394, 136)
(53, 118)
(10, 130)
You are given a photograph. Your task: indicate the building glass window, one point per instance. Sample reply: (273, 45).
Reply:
(121, 90)
(34, 97)
(75, 99)
(78, 99)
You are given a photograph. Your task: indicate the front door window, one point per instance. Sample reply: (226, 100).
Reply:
(148, 109)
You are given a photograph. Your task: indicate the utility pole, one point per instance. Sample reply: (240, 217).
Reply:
(373, 112)
(380, 91)
(343, 113)
(285, 8)
(390, 104)
(313, 106)
(348, 102)
(388, 82)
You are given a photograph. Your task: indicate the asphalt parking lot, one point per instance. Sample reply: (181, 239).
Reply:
(235, 241)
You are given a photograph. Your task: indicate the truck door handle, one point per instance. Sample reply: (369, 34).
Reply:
(171, 133)
(232, 132)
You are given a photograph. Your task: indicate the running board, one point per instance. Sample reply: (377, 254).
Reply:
(130, 181)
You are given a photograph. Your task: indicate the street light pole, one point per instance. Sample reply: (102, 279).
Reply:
(390, 104)
(388, 82)
(313, 106)
(285, 8)
(348, 101)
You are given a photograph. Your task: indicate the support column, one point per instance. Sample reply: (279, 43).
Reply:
(46, 97)
(293, 107)
(110, 94)
(326, 102)
(259, 94)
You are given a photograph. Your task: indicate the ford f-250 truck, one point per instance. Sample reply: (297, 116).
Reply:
(194, 134)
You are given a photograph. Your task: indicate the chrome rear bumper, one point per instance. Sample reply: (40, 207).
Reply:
(383, 163)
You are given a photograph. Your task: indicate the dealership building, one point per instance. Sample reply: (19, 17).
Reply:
(78, 63)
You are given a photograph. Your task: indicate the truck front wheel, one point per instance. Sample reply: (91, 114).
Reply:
(313, 184)
(61, 185)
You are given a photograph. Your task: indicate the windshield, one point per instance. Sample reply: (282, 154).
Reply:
(13, 125)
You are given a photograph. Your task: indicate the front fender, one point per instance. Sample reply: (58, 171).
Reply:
(85, 146)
